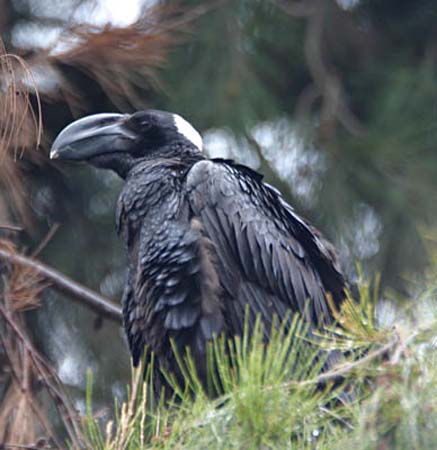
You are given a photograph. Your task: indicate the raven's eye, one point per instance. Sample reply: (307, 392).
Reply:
(146, 125)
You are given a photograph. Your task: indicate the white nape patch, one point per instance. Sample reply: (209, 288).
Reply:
(186, 129)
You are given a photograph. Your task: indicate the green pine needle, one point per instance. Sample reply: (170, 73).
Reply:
(271, 396)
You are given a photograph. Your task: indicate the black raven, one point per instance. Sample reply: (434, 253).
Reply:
(206, 238)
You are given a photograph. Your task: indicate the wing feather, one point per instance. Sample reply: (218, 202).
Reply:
(270, 259)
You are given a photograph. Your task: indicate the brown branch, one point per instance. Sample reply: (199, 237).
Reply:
(338, 373)
(66, 285)
(343, 369)
(8, 227)
(327, 82)
(53, 385)
(47, 238)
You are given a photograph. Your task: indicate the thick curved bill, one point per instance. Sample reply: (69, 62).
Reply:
(92, 136)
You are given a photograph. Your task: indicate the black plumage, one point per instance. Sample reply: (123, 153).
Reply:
(205, 237)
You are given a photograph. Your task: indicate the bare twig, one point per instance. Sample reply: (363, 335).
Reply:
(46, 240)
(327, 83)
(40, 444)
(9, 227)
(52, 383)
(402, 346)
(340, 371)
(347, 367)
(61, 282)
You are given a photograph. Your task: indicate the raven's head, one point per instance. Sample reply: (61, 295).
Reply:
(114, 141)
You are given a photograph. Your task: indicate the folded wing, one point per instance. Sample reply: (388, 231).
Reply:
(270, 259)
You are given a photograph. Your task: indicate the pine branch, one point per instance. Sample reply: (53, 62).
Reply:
(66, 285)
(339, 372)
(51, 381)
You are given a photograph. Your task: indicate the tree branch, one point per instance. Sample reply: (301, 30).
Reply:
(338, 372)
(66, 285)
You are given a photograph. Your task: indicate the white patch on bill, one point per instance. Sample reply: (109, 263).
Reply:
(187, 130)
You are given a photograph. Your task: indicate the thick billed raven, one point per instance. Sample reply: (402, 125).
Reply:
(206, 238)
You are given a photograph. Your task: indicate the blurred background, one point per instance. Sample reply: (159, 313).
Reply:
(334, 101)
